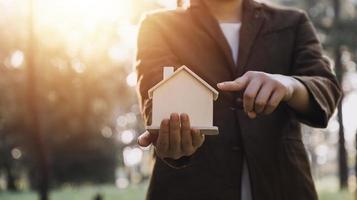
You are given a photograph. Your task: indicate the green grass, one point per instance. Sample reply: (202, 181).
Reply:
(330, 195)
(109, 192)
(327, 191)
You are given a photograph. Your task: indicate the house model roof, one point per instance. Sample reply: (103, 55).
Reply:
(184, 68)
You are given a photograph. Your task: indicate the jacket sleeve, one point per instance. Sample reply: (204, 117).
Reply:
(314, 70)
(153, 53)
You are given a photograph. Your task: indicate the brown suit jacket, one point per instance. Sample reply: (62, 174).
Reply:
(273, 40)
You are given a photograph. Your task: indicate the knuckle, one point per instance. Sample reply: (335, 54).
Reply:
(248, 96)
(263, 74)
(250, 73)
(260, 103)
(272, 105)
(272, 84)
(279, 86)
(260, 74)
(237, 81)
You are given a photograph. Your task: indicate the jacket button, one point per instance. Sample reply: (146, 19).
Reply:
(235, 148)
(239, 103)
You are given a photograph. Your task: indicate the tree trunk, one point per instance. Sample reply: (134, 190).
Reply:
(33, 122)
(342, 153)
(6, 163)
(10, 178)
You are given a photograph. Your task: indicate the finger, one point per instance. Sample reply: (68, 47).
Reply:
(146, 139)
(162, 144)
(274, 101)
(175, 135)
(262, 98)
(249, 95)
(252, 114)
(186, 138)
(197, 138)
(236, 85)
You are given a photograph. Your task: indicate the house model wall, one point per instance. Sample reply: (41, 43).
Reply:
(183, 92)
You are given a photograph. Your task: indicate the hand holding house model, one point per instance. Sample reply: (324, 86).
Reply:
(183, 91)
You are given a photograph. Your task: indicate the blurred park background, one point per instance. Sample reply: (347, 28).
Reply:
(69, 115)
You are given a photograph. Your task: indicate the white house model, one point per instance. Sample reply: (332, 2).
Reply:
(183, 91)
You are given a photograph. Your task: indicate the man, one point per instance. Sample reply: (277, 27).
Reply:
(268, 65)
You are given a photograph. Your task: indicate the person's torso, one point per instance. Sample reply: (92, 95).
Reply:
(265, 46)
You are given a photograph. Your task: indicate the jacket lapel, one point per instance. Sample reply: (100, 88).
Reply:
(252, 23)
(206, 20)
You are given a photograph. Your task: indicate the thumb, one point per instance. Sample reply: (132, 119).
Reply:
(146, 139)
(236, 85)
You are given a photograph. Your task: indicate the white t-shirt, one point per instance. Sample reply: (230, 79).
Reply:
(231, 32)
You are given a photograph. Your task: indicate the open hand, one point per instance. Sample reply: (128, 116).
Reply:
(262, 91)
(175, 139)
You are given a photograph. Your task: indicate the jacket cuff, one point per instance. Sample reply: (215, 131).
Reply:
(318, 115)
(185, 161)
(180, 163)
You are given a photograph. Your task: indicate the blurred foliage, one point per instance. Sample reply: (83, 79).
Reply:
(82, 89)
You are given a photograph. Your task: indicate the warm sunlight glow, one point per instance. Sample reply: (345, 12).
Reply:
(88, 11)
(132, 156)
(131, 79)
(84, 28)
(17, 58)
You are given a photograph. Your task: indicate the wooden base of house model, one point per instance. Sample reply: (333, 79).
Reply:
(204, 130)
(183, 91)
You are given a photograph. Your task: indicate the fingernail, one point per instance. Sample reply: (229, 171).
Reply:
(252, 115)
(138, 141)
(166, 121)
(174, 116)
(184, 116)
